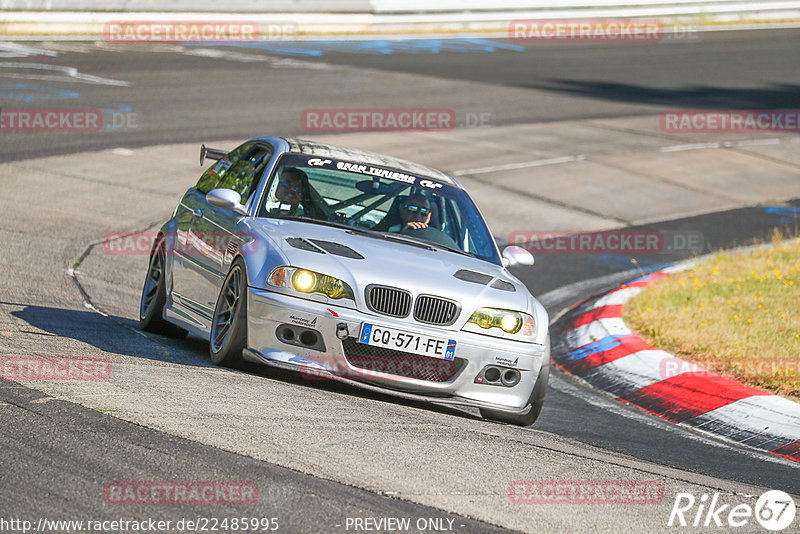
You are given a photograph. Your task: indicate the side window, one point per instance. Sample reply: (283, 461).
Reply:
(243, 175)
(215, 175)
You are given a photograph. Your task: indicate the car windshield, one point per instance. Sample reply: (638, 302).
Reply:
(397, 204)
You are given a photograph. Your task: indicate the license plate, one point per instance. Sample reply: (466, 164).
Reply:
(393, 338)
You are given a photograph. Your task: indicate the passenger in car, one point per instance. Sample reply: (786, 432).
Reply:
(294, 190)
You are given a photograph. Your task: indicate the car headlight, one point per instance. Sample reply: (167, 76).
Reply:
(305, 281)
(502, 323)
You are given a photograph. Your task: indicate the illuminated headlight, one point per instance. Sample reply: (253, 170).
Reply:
(502, 323)
(306, 281)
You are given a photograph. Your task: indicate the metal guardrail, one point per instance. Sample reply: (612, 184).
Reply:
(310, 19)
(399, 6)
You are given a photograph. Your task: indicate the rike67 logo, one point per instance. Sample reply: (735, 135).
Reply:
(774, 510)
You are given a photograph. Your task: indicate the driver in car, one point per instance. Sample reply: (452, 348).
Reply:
(415, 214)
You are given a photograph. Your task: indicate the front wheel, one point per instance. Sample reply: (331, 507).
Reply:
(229, 325)
(154, 296)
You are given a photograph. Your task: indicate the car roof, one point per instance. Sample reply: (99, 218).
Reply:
(305, 146)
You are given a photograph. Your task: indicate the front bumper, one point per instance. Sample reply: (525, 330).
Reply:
(269, 311)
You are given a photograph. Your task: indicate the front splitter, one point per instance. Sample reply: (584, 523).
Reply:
(256, 357)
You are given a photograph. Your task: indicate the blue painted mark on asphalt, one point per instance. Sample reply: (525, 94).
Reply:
(117, 117)
(788, 215)
(375, 46)
(601, 345)
(34, 93)
(276, 48)
(622, 262)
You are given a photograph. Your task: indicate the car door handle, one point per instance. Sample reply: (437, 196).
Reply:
(198, 213)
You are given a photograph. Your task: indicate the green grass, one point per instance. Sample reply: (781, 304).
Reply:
(736, 315)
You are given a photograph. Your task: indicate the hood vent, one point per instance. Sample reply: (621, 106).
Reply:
(474, 277)
(302, 244)
(504, 286)
(321, 247)
(338, 249)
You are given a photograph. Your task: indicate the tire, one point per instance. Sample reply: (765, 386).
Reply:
(154, 296)
(536, 401)
(229, 323)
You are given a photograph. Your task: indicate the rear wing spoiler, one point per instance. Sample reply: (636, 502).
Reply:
(211, 153)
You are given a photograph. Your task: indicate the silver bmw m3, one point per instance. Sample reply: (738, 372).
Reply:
(351, 266)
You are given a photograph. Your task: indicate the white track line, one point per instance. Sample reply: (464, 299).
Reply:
(521, 165)
(13, 50)
(63, 74)
(721, 144)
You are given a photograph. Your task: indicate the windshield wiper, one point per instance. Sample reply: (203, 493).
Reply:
(403, 238)
(399, 238)
(302, 218)
(350, 229)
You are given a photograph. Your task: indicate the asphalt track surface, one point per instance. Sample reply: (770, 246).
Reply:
(184, 97)
(56, 453)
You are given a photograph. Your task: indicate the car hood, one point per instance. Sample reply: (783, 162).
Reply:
(362, 260)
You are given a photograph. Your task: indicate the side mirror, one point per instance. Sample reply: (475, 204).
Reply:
(514, 255)
(226, 199)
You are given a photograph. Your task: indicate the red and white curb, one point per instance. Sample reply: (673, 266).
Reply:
(593, 343)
